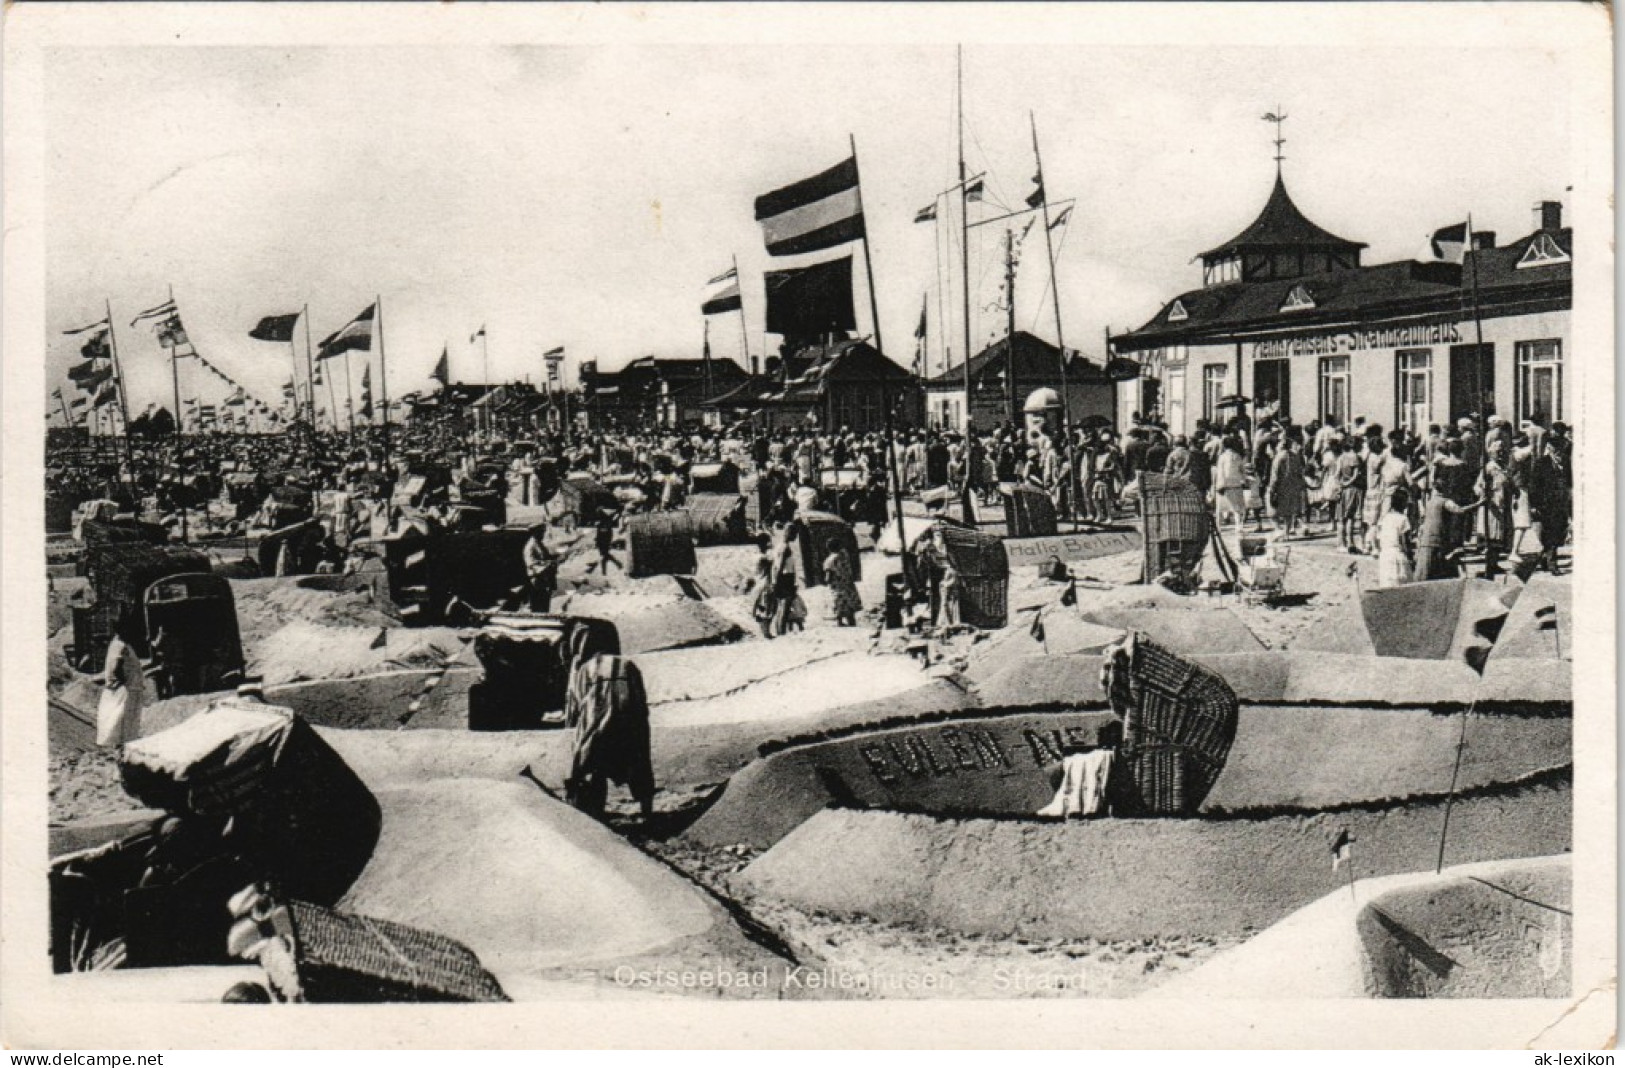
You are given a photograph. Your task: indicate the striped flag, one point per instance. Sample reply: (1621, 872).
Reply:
(98, 325)
(1060, 220)
(355, 334)
(974, 190)
(171, 332)
(721, 295)
(476, 335)
(927, 213)
(815, 213)
(152, 313)
(551, 353)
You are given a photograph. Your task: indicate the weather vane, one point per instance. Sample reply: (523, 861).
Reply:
(1277, 117)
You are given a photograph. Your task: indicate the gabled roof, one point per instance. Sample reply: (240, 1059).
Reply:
(1037, 362)
(1362, 293)
(1282, 226)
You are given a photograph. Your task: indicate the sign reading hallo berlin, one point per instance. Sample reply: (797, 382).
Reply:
(1387, 337)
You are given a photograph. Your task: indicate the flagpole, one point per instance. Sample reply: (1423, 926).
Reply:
(67, 420)
(1450, 797)
(744, 336)
(118, 375)
(175, 380)
(885, 392)
(1060, 338)
(383, 380)
(1478, 389)
(964, 230)
(310, 370)
(349, 394)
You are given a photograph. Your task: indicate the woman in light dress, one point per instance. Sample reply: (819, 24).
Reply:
(1393, 541)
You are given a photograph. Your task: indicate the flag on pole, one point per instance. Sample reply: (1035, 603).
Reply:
(97, 347)
(366, 391)
(106, 394)
(90, 374)
(275, 327)
(355, 334)
(973, 191)
(1342, 848)
(927, 213)
(1060, 219)
(722, 294)
(442, 368)
(170, 332)
(1036, 197)
(237, 399)
(1547, 617)
(98, 325)
(476, 335)
(1447, 245)
(809, 302)
(152, 313)
(815, 213)
(551, 353)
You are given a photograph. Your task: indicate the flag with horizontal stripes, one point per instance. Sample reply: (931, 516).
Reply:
(551, 353)
(97, 346)
(975, 189)
(90, 374)
(815, 213)
(355, 334)
(106, 393)
(1061, 218)
(275, 327)
(927, 213)
(476, 335)
(98, 325)
(152, 313)
(722, 294)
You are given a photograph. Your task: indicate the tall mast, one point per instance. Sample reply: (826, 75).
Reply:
(175, 378)
(885, 391)
(744, 338)
(383, 377)
(310, 371)
(1055, 298)
(1010, 323)
(118, 376)
(964, 229)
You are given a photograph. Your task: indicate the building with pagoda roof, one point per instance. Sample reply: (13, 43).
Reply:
(1289, 317)
(1280, 243)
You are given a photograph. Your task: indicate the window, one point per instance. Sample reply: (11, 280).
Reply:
(1218, 272)
(1298, 300)
(1414, 390)
(1334, 390)
(1215, 387)
(1174, 409)
(1543, 251)
(1540, 381)
(1178, 314)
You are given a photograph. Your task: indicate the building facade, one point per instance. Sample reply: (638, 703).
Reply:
(1291, 319)
(1090, 394)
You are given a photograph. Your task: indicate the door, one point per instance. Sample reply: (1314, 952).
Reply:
(1272, 384)
(1472, 381)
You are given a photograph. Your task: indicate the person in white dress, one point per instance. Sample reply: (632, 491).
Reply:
(1393, 537)
(124, 692)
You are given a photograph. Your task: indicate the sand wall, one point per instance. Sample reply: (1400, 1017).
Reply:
(1125, 879)
(1284, 757)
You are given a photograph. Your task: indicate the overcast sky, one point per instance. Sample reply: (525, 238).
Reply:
(581, 196)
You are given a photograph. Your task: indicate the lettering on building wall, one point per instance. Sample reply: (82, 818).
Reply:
(1388, 337)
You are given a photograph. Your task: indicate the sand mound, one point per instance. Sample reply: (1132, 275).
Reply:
(1306, 759)
(790, 700)
(1192, 630)
(650, 622)
(310, 650)
(1498, 953)
(1117, 879)
(705, 673)
(1528, 633)
(1032, 681)
(532, 886)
